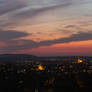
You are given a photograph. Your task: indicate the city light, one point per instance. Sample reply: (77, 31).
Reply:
(80, 61)
(40, 67)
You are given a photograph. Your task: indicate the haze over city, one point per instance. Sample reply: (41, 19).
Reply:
(46, 27)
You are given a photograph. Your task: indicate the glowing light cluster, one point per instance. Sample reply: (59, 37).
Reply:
(40, 67)
(80, 61)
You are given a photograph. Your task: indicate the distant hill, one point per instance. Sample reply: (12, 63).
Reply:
(12, 58)
(15, 57)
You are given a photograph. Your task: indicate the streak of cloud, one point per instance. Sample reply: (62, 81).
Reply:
(15, 45)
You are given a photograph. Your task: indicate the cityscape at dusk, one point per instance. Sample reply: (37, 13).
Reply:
(45, 45)
(28, 73)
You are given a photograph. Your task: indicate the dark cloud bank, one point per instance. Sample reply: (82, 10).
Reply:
(9, 35)
(13, 45)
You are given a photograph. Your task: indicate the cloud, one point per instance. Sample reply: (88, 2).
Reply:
(7, 6)
(41, 7)
(81, 36)
(20, 10)
(22, 14)
(15, 45)
(10, 35)
(70, 26)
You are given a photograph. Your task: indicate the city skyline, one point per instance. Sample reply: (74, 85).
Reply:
(46, 27)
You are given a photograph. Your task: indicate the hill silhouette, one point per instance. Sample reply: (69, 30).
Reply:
(15, 57)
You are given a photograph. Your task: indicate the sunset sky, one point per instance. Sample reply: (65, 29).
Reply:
(46, 27)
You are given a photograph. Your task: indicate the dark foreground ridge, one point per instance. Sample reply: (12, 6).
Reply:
(29, 73)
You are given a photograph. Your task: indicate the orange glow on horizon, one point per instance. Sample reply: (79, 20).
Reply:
(72, 48)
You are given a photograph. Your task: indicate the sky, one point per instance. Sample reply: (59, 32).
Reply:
(46, 27)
